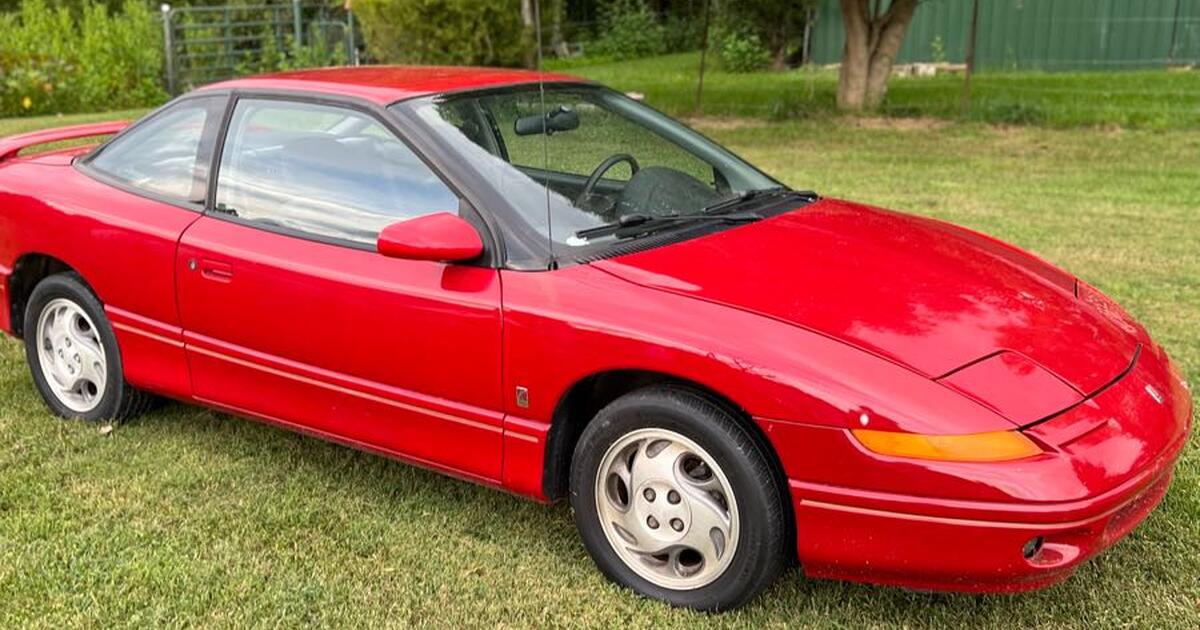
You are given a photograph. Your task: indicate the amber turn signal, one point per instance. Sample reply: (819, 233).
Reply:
(995, 446)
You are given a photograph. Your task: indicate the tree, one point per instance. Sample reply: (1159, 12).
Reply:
(873, 38)
(780, 24)
(529, 32)
(457, 32)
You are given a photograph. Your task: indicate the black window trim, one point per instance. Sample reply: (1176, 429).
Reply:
(468, 207)
(84, 163)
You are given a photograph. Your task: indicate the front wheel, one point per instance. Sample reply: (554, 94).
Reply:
(676, 500)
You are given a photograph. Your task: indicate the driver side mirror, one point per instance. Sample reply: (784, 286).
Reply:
(441, 237)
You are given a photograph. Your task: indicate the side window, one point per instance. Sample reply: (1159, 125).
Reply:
(322, 170)
(168, 154)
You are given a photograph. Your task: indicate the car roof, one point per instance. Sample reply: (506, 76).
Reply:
(387, 84)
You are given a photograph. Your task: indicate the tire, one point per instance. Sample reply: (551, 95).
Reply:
(742, 510)
(64, 297)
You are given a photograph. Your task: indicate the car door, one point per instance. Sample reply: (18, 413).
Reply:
(291, 315)
(143, 188)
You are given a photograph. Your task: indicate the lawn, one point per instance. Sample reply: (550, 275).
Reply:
(1152, 99)
(189, 517)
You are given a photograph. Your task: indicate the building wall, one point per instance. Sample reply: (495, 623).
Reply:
(1038, 34)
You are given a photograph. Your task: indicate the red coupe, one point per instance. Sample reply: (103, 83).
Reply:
(536, 283)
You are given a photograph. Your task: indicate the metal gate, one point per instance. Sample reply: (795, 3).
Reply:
(203, 44)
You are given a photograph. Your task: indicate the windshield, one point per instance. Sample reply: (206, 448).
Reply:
(588, 157)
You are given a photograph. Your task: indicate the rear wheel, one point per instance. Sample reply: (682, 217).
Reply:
(73, 354)
(675, 499)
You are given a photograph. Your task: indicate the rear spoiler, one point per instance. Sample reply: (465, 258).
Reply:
(12, 145)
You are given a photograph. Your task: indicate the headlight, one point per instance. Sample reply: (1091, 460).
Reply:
(995, 446)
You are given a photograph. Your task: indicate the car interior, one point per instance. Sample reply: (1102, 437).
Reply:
(616, 185)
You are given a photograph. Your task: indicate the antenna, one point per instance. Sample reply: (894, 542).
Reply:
(537, 28)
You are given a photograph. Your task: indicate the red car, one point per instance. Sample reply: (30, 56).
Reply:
(535, 283)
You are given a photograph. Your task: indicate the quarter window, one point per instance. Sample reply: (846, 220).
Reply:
(169, 154)
(322, 170)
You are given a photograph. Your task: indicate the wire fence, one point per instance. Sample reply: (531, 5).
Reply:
(202, 44)
(205, 44)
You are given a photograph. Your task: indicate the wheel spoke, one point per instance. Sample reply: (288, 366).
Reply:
(91, 367)
(59, 326)
(656, 460)
(709, 530)
(85, 340)
(616, 507)
(707, 487)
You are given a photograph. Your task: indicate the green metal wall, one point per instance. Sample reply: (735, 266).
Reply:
(1039, 34)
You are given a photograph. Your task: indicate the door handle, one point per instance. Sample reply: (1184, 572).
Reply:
(213, 270)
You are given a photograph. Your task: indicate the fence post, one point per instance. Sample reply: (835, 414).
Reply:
(227, 45)
(810, 15)
(1174, 34)
(297, 28)
(703, 55)
(352, 54)
(970, 69)
(168, 47)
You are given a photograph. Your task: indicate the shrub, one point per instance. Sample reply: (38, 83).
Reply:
(52, 62)
(683, 33)
(629, 30)
(35, 74)
(743, 52)
(779, 24)
(120, 57)
(318, 52)
(34, 85)
(476, 32)
(272, 55)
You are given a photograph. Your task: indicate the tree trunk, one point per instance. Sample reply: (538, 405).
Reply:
(856, 58)
(872, 41)
(557, 43)
(529, 26)
(779, 49)
(779, 59)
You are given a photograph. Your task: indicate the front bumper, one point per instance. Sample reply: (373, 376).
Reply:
(966, 526)
(840, 536)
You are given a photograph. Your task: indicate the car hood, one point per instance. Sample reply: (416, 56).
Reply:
(919, 292)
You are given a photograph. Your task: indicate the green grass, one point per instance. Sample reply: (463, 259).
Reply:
(1154, 99)
(11, 126)
(189, 517)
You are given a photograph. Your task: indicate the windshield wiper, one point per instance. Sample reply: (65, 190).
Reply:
(638, 224)
(748, 195)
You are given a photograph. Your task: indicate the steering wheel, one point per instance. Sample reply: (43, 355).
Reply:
(604, 167)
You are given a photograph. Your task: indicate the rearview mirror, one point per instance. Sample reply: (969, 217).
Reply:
(441, 237)
(561, 118)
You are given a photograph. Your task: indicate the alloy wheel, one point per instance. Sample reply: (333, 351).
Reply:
(666, 508)
(71, 355)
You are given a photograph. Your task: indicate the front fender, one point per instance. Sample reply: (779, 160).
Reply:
(563, 326)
